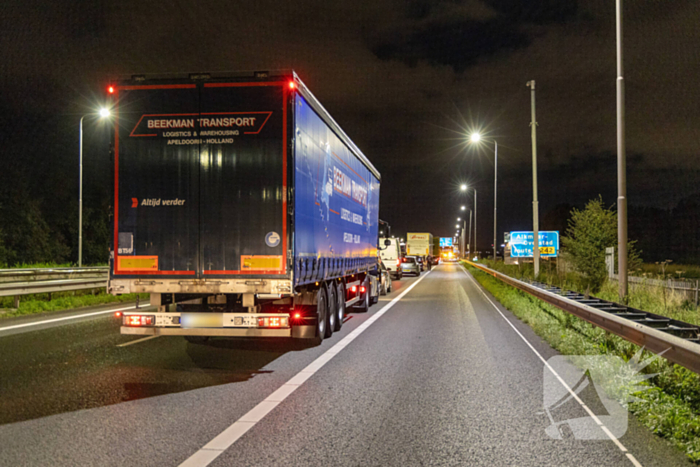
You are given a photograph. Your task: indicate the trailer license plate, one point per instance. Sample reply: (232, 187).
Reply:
(201, 320)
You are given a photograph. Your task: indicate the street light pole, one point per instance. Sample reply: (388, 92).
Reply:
(103, 113)
(535, 203)
(80, 199)
(621, 163)
(495, 186)
(475, 229)
(470, 233)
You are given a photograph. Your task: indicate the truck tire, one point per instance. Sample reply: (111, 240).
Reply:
(332, 312)
(322, 314)
(340, 307)
(363, 305)
(382, 289)
(390, 286)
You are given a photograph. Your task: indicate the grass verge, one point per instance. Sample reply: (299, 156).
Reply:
(40, 303)
(670, 407)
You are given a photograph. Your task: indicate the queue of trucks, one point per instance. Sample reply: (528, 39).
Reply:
(242, 208)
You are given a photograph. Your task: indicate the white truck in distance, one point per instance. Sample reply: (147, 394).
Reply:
(391, 256)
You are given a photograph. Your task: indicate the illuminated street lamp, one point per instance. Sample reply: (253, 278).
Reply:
(475, 138)
(103, 113)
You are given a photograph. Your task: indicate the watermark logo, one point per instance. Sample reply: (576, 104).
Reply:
(586, 395)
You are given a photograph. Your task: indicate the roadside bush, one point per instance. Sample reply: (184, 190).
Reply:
(590, 231)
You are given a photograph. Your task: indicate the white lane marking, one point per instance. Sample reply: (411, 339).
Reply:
(556, 375)
(143, 339)
(37, 323)
(230, 435)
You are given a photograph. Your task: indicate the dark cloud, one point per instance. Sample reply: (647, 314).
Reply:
(459, 44)
(439, 35)
(535, 11)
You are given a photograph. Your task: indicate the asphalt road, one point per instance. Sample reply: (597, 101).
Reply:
(441, 377)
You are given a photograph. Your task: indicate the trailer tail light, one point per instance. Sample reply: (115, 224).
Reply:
(273, 322)
(353, 289)
(297, 315)
(110, 89)
(292, 85)
(118, 314)
(362, 289)
(139, 320)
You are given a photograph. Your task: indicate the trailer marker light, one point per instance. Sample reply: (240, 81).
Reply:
(292, 85)
(110, 89)
(118, 314)
(297, 315)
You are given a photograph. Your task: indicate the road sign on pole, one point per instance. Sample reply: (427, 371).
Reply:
(521, 244)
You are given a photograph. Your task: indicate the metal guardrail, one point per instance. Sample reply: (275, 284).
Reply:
(678, 341)
(18, 282)
(31, 274)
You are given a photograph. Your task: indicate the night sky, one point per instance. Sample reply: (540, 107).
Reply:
(407, 81)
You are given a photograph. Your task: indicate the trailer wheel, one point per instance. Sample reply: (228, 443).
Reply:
(363, 305)
(340, 305)
(332, 310)
(322, 314)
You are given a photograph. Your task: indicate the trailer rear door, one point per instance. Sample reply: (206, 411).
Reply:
(200, 180)
(243, 179)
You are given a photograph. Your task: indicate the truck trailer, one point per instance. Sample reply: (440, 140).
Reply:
(240, 206)
(419, 244)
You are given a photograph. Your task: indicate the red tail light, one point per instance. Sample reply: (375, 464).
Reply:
(138, 320)
(110, 89)
(362, 289)
(292, 85)
(273, 322)
(353, 289)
